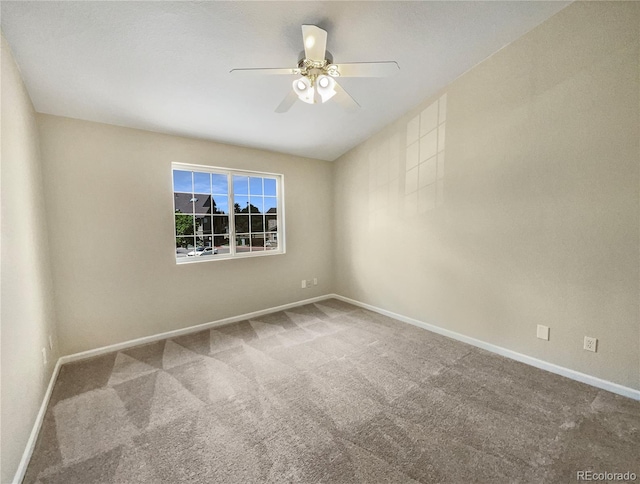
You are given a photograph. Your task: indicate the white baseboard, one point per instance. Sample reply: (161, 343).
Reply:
(37, 425)
(529, 360)
(183, 331)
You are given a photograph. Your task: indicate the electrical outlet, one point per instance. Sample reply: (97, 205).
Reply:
(315, 281)
(44, 356)
(543, 332)
(309, 283)
(304, 284)
(590, 344)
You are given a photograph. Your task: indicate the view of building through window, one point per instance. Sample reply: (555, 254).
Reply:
(223, 213)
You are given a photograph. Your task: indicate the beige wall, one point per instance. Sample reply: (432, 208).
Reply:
(528, 215)
(27, 313)
(110, 211)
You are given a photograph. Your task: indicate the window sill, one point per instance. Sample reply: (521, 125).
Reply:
(247, 255)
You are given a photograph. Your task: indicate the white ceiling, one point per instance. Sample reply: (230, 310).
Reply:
(164, 66)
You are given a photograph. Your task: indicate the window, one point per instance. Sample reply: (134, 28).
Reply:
(222, 214)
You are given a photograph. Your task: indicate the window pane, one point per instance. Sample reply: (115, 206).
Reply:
(271, 223)
(220, 224)
(255, 185)
(204, 247)
(219, 184)
(270, 187)
(242, 243)
(242, 224)
(203, 224)
(270, 205)
(256, 223)
(202, 203)
(240, 185)
(201, 182)
(184, 225)
(182, 181)
(241, 204)
(257, 204)
(253, 209)
(257, 242)
(220, 204)
(204, 241)
(183, 245)
(271, 242)
(183, 202)
(221, 244)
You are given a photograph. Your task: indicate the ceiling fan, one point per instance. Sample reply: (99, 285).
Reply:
(316, 81)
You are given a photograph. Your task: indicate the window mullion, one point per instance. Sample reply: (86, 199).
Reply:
(249, 212)
(193, 212)
(232, 215)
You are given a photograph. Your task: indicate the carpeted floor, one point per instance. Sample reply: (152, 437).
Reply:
(325, 392)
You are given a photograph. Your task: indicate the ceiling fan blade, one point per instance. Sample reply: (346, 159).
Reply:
(345, 100)
(266, 71)
(368, 69)
(287, 102)
(315, 42)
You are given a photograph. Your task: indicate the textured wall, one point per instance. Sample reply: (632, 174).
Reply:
(110, 211)
(511, 199)
(27, 296)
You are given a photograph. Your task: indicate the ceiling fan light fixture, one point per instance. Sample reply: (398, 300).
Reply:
(325, 86)
(303, 88)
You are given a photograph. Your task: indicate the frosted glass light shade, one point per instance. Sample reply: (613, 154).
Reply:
(325, 88)
(303, 88)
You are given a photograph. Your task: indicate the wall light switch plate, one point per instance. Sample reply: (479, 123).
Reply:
(543, 332)
(304, 284)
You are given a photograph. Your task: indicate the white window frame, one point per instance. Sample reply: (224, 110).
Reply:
(230, 172)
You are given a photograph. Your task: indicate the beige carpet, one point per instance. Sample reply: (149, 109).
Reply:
(325, 392)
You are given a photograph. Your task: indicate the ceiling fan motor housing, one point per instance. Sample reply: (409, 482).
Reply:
(327, 56)
(313, 68)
